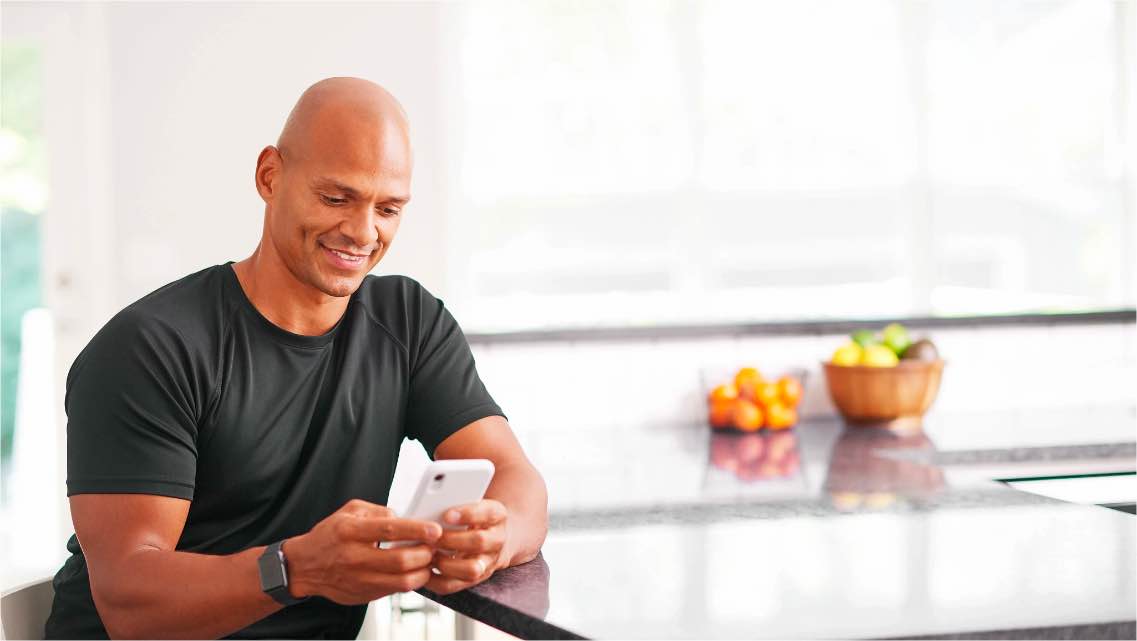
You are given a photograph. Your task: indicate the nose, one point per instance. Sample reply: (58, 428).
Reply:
(361, 228)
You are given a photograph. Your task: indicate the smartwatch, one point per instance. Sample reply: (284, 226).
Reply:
(274, 575)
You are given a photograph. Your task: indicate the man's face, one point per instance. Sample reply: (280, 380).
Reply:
(335, 208)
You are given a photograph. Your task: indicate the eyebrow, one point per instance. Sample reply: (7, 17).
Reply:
(331, 183)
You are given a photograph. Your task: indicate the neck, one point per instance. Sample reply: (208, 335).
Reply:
(283, 299)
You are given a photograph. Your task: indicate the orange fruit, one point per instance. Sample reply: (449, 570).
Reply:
(726, 392)
(747, 380)
(766, 393)
(721, 413)
(789, 390)
(780, 416)
(747, 416)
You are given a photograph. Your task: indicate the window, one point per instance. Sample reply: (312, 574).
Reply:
(23, 195)
(653, 163)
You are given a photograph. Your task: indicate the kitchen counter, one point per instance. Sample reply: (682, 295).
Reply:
(670, 531)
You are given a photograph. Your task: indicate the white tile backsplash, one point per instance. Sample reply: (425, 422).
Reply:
(562, 385)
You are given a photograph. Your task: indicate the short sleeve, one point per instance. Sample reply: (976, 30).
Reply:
(131, 411)
(446, 393)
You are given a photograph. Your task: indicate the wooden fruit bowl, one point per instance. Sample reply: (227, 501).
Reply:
(881, 394)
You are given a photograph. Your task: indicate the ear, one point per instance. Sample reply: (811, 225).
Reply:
(268, 171)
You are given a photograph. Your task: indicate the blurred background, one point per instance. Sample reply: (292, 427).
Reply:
(583, 166)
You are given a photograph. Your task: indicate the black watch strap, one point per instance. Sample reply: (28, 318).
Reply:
(274, 575)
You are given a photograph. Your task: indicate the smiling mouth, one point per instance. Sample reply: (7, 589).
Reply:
(347, 257)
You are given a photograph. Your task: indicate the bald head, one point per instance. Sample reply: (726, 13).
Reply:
(336, 183)
(335, 109)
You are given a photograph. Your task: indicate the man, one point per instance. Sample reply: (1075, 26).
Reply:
(232, 436)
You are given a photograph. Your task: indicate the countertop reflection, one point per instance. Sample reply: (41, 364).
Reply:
(821, 531)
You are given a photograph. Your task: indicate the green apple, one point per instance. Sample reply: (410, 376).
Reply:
(895, 336)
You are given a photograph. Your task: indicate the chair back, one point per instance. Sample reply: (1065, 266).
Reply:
(24, 609)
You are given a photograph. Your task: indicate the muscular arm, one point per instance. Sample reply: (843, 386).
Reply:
(144, 589)
(516, 483)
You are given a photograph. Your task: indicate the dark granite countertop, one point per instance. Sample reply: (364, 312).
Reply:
(670, 531)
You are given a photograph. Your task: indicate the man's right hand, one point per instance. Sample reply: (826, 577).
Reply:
(340, 559)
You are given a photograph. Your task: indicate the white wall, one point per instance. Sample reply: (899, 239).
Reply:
(180, 98)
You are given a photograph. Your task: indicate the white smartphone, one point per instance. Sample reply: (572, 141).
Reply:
(445, 484)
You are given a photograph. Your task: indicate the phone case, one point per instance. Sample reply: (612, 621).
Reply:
(446, 484)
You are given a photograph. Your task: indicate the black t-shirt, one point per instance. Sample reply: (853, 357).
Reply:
(190, 392)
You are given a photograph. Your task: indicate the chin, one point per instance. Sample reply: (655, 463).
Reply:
(333, 284)
(341, 286)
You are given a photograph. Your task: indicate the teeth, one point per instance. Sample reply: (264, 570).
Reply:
(354, 259)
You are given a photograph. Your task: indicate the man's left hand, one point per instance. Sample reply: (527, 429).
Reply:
(478, 551)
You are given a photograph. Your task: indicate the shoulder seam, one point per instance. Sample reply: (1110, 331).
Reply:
(386, 330)
(197, 419)
(163, 322)
(216, 397)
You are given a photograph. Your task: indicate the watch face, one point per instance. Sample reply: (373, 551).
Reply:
(272, 571)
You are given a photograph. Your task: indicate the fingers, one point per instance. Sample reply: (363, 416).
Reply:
(472, 568)
(388, 529)
(484, 513)
(361, 508)
(472, 541)
(441, 585)
(369, 560)
(396, 560)
(402, 582)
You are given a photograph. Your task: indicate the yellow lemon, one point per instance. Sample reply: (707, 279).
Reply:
(879, 356)
(847, 354)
